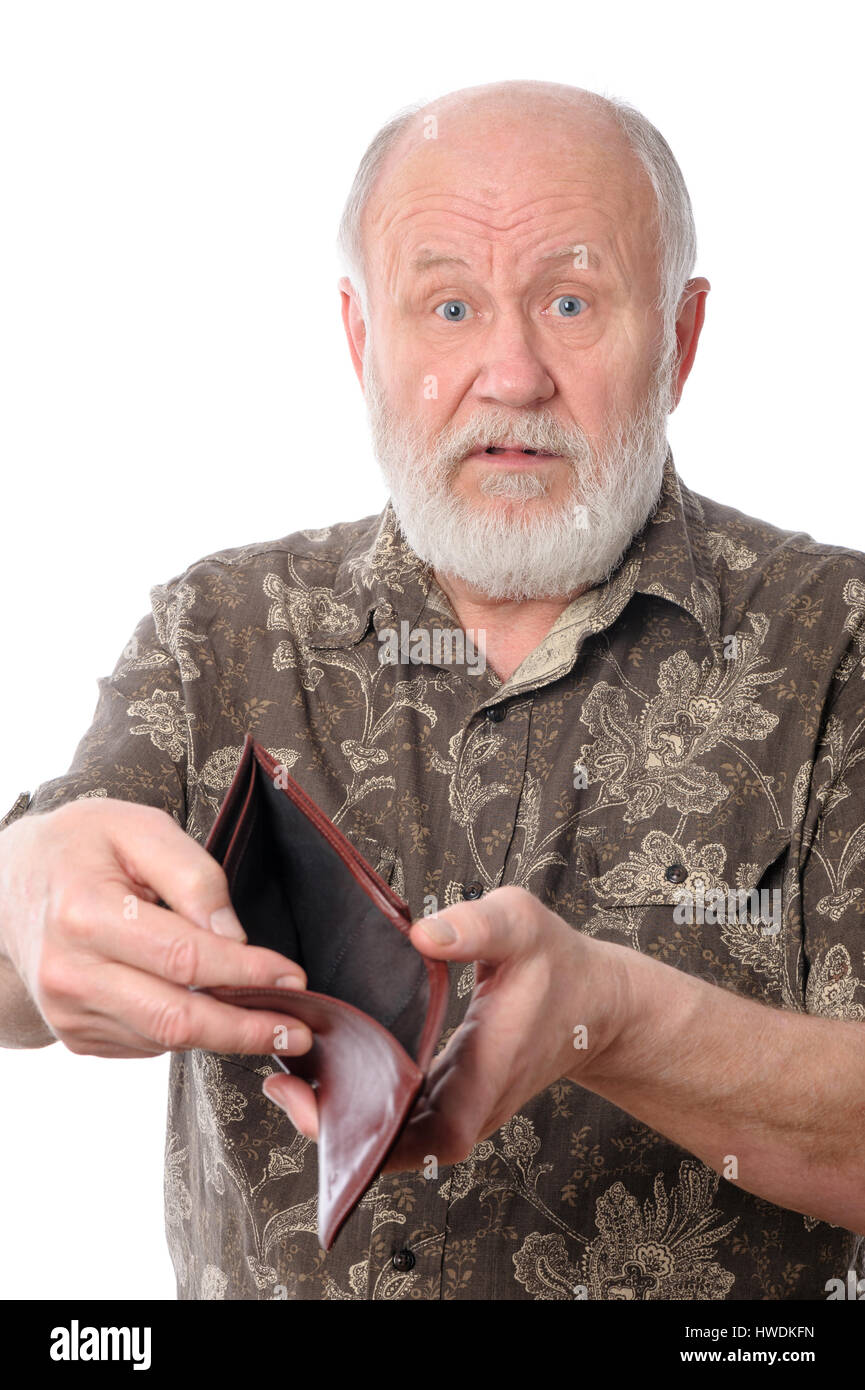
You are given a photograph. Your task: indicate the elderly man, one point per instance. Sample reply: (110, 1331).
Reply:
(635, 830)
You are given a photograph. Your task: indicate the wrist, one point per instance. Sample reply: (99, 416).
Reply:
(606, 993)
(644, 1013)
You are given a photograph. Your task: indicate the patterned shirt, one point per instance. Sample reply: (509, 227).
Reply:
(696, 723)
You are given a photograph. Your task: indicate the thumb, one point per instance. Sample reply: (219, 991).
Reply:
(492, 929)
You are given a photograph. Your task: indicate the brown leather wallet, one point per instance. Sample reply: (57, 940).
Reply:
(375, 1005)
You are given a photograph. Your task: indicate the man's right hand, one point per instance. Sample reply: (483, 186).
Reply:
(109, 970)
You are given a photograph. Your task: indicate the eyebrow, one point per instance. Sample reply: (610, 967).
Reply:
(570, 250)
(427, 259)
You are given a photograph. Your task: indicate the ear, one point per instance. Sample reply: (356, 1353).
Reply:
(689, 323)
(353, 323)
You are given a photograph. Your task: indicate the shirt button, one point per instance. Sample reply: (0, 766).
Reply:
(675, 873)
(472, 890)
(403, 1259)
(496, 713)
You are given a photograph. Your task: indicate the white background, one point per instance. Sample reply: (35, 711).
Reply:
(173, 377)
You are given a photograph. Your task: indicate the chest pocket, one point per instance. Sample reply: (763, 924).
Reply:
(734, 934)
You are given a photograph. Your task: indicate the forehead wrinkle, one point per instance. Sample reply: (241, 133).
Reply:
(475, 217)
(455, 216)
(520, 232)
(517, 164)
(539, 203)
(437, 250)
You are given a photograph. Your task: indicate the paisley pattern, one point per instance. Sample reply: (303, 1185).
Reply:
(697, 722)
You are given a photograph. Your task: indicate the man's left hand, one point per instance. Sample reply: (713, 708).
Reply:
(547, 1003)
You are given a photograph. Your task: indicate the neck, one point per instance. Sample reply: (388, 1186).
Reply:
(510, 628)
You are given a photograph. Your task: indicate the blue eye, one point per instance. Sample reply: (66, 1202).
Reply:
(571, 306)
(454, 310)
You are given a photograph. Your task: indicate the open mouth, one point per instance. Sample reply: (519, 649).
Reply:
(511, 449)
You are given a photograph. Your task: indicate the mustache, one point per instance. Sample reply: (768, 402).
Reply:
(540, 431)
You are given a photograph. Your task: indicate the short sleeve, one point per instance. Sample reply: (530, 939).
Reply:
(833, 874)
(137, 746)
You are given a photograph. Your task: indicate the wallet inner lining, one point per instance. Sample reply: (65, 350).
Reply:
(294, 894)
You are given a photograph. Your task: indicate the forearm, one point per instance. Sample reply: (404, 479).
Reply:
(781, 1093)
(21, 1023)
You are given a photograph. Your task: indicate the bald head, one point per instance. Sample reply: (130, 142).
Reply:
(486, 119)
(500, 128)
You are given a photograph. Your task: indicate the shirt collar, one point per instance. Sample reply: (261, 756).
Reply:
(669, 558)
(674, 555)
(378, 574)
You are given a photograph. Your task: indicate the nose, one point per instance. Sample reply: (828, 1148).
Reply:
(512, 372)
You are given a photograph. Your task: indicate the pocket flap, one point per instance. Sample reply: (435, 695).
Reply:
(663, 871)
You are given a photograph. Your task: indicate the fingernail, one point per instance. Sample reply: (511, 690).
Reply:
(269, 1088)
(225, 922)
(289, 982)
(442, 933)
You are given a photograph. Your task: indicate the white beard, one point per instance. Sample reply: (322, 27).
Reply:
(524, 552)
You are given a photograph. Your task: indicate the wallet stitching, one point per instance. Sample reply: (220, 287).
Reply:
(407, 1001)
(398, 1009)
(339, 959)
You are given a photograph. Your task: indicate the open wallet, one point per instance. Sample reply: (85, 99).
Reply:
(374, 1004)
